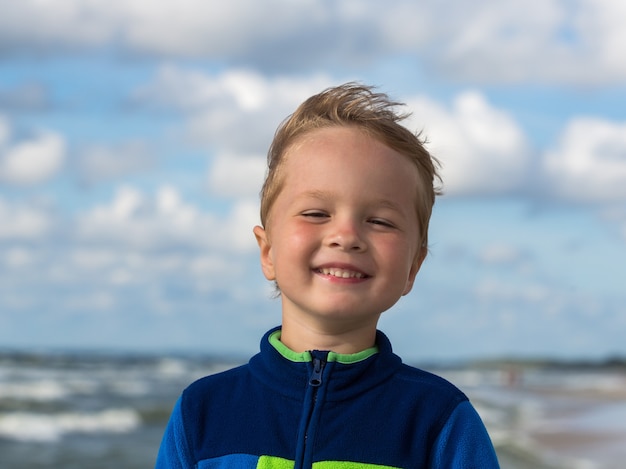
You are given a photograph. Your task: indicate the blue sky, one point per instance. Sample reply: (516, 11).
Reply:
(132, 149)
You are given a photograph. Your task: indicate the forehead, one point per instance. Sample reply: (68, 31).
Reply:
(348, 157)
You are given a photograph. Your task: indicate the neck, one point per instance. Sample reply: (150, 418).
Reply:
(339, 338)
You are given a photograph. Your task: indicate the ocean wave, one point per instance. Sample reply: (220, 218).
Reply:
(43, 390)
(28, 426)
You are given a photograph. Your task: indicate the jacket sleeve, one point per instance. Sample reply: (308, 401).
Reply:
(174, 452)
(464, 442)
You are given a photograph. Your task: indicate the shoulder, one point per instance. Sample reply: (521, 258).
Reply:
(461, 437)
(214, 384)
(425, 381)
(410, 378)
(425, 395)
(209, 400)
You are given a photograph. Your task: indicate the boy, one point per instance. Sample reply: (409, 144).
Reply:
(344, 211)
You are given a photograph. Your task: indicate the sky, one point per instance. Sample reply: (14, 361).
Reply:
(133, 138)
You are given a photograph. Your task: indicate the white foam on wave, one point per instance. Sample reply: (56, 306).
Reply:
(27, 426)
(609, 417)
(171, 367)
(43, 390)
(130, 387)
(605, 381)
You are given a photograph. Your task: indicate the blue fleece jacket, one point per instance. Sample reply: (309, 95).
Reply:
(324, 410)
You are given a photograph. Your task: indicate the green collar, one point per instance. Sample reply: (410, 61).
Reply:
(346, 358)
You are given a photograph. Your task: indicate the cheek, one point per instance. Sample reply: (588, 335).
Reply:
(400, 256)
(302, 240)
(293, 242)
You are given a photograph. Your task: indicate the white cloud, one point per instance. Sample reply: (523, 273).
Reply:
(487, 40)
(19, 257)
(101, 162)
(237, 175)
(19, 221)
(243, 89)
(209, 28)
(44, 26)
(589, 164)
(32, 161)
(482, 149)
(143, 223)
(496, 290)
(496, 40)
(601, 24)
(554, 41)
(500, 254)
(5, 131)
(92, 258)
(137, 251)
(237, 110)
(181, 89)
(228, 31)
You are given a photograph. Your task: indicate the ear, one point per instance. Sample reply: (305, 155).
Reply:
(265, 248)
(415, 268)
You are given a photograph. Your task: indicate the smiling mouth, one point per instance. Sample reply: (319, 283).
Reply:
(341, 273)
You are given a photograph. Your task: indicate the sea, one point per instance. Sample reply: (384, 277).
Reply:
(103, 410)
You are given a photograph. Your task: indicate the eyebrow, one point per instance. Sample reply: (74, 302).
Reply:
(326, 195)
(316, 194)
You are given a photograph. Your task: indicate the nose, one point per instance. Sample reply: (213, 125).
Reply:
(346, 235)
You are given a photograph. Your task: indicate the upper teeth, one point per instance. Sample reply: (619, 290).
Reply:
(341, 273)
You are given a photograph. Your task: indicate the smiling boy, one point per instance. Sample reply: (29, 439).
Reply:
(344, 211)
(341, 239)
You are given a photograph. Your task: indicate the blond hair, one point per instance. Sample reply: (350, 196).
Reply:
(354, 105)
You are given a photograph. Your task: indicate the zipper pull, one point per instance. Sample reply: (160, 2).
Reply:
(316, 375)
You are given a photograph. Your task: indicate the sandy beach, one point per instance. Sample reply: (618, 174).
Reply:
(564, 418)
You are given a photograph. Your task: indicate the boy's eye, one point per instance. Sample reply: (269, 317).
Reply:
(314, 214)
(381, 222)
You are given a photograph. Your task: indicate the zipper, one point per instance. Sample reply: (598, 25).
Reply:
(316, 374)
(303, 457)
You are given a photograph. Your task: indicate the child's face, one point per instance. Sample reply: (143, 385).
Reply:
(342, 238)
